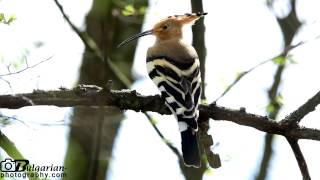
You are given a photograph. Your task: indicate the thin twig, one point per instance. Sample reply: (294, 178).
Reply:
(28, 67)
(85, 38)
(6, 81)
(13, 118)
(169, 144)
(242, 74)
(92, 46)
(55, 123)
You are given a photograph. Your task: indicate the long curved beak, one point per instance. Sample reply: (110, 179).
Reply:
(134, 37)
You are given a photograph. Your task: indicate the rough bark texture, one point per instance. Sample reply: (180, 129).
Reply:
(94, 96)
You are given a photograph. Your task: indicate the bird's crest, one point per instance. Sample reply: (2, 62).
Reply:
(187, 18)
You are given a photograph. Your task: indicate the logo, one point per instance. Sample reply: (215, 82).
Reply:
(21, 168)
(9, 165)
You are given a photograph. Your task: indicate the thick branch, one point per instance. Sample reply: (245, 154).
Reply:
(85, 95)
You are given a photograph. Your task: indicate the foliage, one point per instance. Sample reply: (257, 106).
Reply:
(130, 10)
(7, 20)
(271, 107)
(280, 60)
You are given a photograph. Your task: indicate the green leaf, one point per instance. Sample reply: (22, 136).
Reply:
(5, 21)
(2, 17)
(270, 108)
(128, 10)
(280, 60)
(11, 19)
(142, 10)
(208, 171)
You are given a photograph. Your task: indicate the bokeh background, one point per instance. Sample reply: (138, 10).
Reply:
(123, 145)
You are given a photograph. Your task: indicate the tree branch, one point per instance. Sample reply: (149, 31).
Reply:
(169, 144)
(303, 110)
(26, 68)
(88, 95)
(244, 73)
(93, 47)
(300, 159)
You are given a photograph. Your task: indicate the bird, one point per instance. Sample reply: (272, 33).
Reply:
(174, 67)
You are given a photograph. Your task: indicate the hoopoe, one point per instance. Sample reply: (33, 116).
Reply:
(174, 67)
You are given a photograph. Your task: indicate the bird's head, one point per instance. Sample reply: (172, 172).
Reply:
(168, 28)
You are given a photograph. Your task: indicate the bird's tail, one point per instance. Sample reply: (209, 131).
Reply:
(190, 148)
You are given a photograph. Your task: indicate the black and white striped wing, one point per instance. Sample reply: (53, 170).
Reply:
(179, 84)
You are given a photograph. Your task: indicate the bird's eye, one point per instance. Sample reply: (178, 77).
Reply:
(165, 27)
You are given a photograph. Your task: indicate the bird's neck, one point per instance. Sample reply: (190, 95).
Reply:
(176, 40)
(173, 48)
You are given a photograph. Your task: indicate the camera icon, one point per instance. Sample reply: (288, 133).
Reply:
(8, 165)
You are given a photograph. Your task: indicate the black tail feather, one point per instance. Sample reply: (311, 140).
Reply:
(190, 148)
